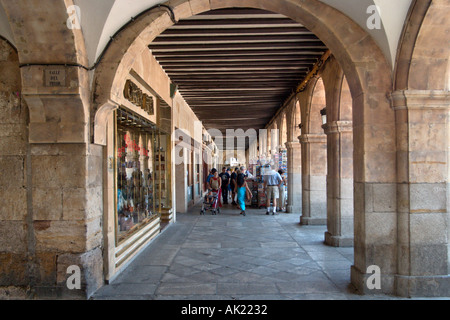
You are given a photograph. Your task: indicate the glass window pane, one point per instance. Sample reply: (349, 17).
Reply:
(135, 174)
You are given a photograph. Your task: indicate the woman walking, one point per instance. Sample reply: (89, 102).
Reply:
(242, 191)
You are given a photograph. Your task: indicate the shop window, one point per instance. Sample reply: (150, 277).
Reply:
(143, 173)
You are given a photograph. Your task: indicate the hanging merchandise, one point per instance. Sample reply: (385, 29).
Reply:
(143, 173)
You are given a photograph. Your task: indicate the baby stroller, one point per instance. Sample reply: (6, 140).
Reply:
(211, 203)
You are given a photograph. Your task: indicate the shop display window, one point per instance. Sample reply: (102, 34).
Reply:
(142, 176)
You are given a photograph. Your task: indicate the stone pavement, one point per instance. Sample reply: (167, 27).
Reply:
(231, 257)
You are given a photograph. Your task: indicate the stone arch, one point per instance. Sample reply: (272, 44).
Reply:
(338, 130)
(293, 120)
(297, 120)
(67, 45)
(335, 32)
(294, 157)
(57, 114)
(317, 102)
(422, 60)
(345, 101)
(273, 136)
(283, 131)
(369, 78)
(421, 102)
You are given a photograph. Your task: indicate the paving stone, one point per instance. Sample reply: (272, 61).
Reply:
(231, 257)
(246, 288)
(186, 288)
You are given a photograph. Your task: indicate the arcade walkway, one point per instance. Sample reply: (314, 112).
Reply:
(229, 256)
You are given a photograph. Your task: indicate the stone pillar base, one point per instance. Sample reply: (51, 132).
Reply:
(293, 209)
(422, 286)
(403, 286)
(338, 241)
(359, 281)
(58, 293)
(313, 221)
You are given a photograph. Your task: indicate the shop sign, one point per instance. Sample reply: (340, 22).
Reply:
(135, 95)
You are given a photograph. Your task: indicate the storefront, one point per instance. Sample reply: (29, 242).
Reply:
(142, 182)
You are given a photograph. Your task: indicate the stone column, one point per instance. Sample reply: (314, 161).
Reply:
(314, 165)
(423, 192)
(15, 231)
(339, 184)
(65, 185)
(294, 168)
(181, 181)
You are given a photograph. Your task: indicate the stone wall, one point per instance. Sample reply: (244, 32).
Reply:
(51, 216)
(14, 241)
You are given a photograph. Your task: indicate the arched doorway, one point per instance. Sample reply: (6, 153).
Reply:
(389, 234)
(368, 76)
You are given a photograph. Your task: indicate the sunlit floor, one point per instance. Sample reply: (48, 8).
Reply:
(232, 257)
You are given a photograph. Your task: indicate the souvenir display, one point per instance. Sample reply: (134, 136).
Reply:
(141, 173)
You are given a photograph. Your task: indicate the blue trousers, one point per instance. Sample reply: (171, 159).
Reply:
(241, 197)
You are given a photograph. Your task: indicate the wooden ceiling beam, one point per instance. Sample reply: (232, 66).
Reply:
(234, 38)
(315, 52)
(235, 67)
(238, 21)
(237, 47)
(238, 73)
(293, 29)
(212, 58)
(236, 63)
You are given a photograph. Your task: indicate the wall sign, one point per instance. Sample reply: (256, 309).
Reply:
(135, 95)
(55, 77)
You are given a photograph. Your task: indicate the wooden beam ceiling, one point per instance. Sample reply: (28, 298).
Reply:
(237, 64)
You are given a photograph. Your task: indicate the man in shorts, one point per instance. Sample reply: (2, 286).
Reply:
(272, 182)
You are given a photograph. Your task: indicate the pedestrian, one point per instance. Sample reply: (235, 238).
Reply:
(229, 191)
(246, 173)
(234, 186)
(243, 191)
(216, 184)
(225, 177)
(208, 185)
(282, 202)
(272, 182)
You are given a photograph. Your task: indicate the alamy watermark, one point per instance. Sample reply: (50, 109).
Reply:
(374, 20)
(74, 20)
(373, 282)
(73, 282)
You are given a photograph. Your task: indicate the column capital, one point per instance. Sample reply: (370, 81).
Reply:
(420, 99)
(338, 127)
(312, 138)
(293, 144)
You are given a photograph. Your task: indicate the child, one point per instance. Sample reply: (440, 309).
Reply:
(215, 182)
(208, 184)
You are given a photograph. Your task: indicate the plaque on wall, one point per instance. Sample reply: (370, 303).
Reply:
(55, 77)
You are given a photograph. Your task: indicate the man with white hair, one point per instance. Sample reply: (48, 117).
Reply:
(246, 173)
(272, 182)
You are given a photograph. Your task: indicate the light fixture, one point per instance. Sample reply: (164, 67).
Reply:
(323, 113)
